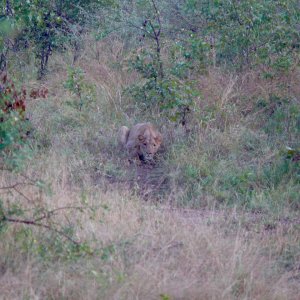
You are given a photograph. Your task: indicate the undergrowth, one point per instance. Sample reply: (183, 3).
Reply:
(228, 202)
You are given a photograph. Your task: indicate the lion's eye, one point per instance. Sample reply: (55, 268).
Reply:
(145, 144)
(154, 145)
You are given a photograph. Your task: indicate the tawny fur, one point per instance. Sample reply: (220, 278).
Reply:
(141, 141)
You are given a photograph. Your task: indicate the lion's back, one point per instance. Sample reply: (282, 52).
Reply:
(137, 130)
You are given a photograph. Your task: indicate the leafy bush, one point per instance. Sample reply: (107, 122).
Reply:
(14, 127)
(162, 84)
(48, 26)
(76, 83)
(244, 33)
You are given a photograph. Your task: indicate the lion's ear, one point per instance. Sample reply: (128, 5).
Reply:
(158, 139)
(141, 138)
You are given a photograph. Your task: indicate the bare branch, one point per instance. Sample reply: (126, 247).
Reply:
(141, 28)
(157, 16)
(23, 195)
(48, 214)
(33, 223)
(13, 186)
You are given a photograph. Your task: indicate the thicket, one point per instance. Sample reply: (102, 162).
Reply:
(173, 42)
(38, 27)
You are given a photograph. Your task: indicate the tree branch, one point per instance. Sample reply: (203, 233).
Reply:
(34, 223)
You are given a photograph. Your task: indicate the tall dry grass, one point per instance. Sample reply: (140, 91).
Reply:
(152, 250)
(157, 251)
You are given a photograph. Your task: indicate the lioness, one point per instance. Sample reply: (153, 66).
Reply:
(141, 141)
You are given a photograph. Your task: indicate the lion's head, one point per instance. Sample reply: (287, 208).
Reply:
(149, 143)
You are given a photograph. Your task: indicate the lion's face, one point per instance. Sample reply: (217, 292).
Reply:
(148, 144)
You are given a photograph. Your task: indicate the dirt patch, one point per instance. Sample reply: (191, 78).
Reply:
(151, 180)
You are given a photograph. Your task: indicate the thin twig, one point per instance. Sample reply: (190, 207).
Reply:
(23, 195)
(33, 223)
(141, 28)
(157, 16)
(15, 185)
(48, 214)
